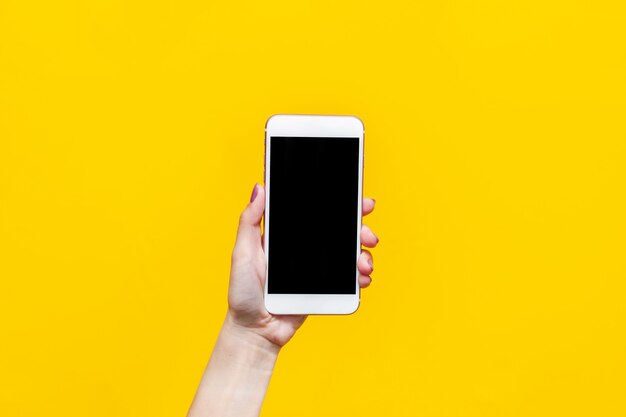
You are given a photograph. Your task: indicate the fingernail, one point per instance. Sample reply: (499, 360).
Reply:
(255, 191)
(369, 261)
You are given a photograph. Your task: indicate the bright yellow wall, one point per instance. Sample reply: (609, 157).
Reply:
(131, 134)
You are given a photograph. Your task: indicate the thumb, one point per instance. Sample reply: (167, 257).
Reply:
(249, 233)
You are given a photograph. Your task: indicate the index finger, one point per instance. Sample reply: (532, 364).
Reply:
(368, 205)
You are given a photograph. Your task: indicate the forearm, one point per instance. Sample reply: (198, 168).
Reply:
(237, 376)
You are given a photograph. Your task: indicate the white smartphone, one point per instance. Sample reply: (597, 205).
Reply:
(314, 188)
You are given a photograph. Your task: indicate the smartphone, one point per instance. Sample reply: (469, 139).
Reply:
(314, 188)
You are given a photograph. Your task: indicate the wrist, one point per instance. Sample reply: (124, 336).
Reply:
(249, 337)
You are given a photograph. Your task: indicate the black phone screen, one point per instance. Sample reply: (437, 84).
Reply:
(313, 209)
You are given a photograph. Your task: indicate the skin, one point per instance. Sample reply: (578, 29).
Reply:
(237, 376)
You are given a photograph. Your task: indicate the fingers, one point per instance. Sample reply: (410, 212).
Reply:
(249, 232)
(365, 262)
(366, 267)
(368, 238)
(364, 281)
(368, 206)
(253, 212)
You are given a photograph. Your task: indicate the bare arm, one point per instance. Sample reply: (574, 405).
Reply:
(236, 379)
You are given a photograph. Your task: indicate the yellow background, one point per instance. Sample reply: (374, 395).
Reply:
(131, 134)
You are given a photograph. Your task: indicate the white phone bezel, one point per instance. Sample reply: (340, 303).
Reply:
(312, 126)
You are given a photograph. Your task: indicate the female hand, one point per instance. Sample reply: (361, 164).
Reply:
(236, 378)
(246, 310)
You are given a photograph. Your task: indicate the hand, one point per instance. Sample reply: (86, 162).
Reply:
(246, 310)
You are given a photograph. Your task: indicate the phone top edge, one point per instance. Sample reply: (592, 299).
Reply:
(304, 117)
